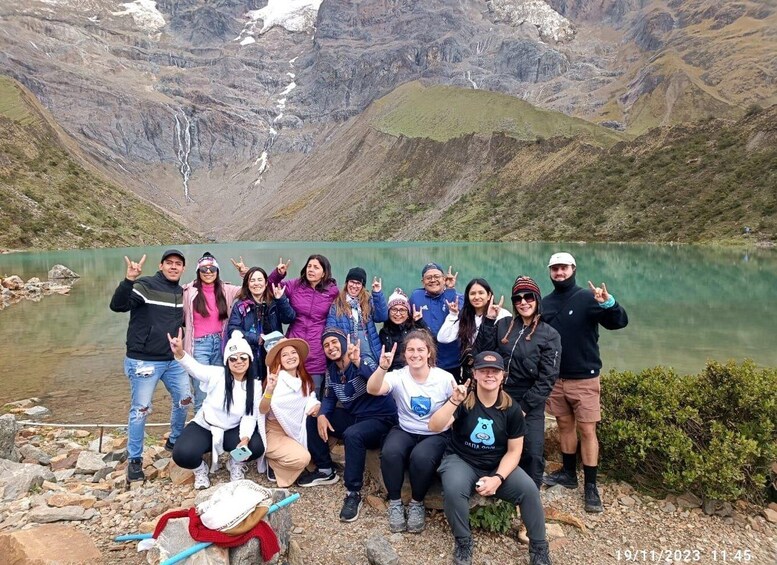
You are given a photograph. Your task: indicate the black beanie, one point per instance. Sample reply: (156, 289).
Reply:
(357, 274)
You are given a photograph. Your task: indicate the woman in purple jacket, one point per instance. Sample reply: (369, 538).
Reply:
(310, 296)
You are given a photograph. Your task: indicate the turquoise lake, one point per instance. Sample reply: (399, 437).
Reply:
(686, 305)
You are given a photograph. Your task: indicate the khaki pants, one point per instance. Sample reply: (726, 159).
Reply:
(286, 457)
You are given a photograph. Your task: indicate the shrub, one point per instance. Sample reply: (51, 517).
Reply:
(495, 518)
(714, 434)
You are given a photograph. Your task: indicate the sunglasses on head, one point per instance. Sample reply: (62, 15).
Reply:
(235, 358)
(528, 297)
(208, 269)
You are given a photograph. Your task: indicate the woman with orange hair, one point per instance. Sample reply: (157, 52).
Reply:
(288, 399)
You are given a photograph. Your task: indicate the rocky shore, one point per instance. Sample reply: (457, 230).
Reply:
(14, 289)
(68, 485)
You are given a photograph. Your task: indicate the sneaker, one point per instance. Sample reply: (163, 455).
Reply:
(169, 446)
(237, 470)
(271, 475)
(462, 551)
(315, 478)
(416, 517)
(351, 506)
(201, 479)
(539, 553)
(135, 470)
(593, 503)
(560, 477)
(396, 515)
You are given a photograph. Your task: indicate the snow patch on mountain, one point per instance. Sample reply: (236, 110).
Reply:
(293, 15)
(550, 24)
(145, 15)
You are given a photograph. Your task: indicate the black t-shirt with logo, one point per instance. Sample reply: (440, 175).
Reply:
(479, 436)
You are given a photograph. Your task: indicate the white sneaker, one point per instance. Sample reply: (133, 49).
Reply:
(201, 479)
(237, 470)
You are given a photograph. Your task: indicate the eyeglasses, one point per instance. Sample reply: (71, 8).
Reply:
(236, 358)
(528, 297)
(206, 270)
(397, 310)
(355, 283)
(432, 278)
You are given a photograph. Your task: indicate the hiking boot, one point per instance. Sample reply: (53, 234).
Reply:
(351, 506)
(201, 479)
(416, 517)
(237, 470)
(135, 470)
(539, 553)
(396, 513)
(560, 477)
(315, 478)
(462, 551)
(169, 446)
(271, 475)
(593, 503)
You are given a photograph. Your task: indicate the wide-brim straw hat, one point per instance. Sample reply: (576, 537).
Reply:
(300, 345)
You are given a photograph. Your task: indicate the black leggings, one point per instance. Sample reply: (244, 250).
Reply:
(195, 441)
(419, 455)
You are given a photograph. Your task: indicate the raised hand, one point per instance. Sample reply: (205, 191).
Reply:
(450, 278)
(460, 392)
(272, 380)
(387, 357)
(282, 267)
(278, 291)
(494, 309)
(377, 284)
(453, 307)
(134, 269)
(353, 350)
(417, 313)
(176, 344)
(600, 293)
(240, 266)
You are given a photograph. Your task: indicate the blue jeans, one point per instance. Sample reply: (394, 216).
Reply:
(206, 350)
(143, 377)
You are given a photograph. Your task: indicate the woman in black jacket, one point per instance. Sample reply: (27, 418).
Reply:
(532, 351)
(399, 324)
(259, 310)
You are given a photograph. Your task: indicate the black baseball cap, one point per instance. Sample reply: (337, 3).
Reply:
(171, 252)
(489, 360)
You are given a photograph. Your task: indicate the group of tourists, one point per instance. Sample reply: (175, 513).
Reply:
(452, 385)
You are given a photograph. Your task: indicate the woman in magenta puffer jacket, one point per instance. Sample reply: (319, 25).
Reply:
(310, 296)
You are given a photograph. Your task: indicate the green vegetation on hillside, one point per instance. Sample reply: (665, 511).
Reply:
(49, 200)
(694, 184)
(445, 112)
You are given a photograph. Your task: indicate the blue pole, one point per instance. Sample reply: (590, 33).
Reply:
(131, 537)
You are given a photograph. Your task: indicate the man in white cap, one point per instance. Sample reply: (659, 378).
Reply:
(575, 400)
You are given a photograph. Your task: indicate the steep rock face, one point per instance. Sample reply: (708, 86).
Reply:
(203, 107)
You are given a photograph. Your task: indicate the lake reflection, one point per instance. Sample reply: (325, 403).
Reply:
(686, 305)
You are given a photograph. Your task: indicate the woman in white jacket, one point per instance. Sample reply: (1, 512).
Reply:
(288, 399)
(228, 417)
(464, 326)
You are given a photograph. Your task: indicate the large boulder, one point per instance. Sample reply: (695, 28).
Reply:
(16, 479)
(46, 514)
(49, 544)
(61, 272)
(8, 431)
(14, 282)
(175, 538)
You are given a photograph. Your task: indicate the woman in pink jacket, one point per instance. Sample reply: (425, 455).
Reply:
(310, 296)
(207, 303)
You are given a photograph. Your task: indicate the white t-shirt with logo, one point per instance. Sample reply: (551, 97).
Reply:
(417, 402)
